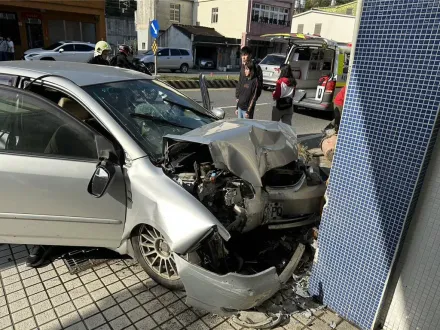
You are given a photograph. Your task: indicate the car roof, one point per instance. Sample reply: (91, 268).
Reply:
(82, 74)
(75, 42)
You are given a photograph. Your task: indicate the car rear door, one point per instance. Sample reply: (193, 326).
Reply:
(83, 53)
(47, 159)
(176, 58)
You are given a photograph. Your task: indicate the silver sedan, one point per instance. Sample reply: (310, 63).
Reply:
(107, 157)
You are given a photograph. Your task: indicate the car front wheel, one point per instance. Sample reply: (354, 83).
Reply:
(154, 254)
(184, 68)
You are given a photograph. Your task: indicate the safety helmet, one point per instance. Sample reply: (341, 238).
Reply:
(125, 49)
(102, 46)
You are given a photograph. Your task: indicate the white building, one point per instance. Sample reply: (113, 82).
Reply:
(166, 12)
(335, 26)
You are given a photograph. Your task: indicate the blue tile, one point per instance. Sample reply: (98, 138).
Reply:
(386, 136)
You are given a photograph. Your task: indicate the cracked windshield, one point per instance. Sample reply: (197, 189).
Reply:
(149, 110)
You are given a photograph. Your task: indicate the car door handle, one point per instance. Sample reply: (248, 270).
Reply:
(168, 58)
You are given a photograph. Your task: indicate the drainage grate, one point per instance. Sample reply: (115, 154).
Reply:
(80, 260)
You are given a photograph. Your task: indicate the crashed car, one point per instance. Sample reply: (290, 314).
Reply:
(112, 158)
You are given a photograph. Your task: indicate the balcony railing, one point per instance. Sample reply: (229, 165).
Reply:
(267, 20)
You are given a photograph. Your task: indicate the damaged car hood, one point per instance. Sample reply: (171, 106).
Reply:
(247, 148)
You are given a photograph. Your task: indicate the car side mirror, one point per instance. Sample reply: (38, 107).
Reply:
(105, 170)
(219, 113)
(101, 179)
(61, 50)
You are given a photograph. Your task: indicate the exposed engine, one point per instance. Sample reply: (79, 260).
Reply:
(236, 203)
(223, 193)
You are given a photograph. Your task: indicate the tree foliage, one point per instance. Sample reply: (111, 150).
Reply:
(323, 3)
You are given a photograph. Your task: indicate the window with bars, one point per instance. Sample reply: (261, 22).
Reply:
(174, 12)
(214, 15)
(300, 28)
(318, 27)
(270, 14)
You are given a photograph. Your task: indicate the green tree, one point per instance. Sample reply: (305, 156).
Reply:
(323, 3)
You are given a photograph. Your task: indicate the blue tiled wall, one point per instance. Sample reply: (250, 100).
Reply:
(389, 120)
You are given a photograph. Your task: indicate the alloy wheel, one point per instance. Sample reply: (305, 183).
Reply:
(157, 253)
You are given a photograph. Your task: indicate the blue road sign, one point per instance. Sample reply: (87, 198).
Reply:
(154, 28)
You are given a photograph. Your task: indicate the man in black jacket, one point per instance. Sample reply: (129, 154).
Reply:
(246, 55)
(121, 59)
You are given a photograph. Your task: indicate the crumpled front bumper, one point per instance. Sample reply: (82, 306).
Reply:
(233, 292)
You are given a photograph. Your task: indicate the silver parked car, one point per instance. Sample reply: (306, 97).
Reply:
(70, 51)
(270, 66)
(170, 59)
(107, 157)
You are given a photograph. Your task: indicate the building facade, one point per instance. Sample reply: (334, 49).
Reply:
(166, 12)
(247, 20)
(39, 23)
(331, 25)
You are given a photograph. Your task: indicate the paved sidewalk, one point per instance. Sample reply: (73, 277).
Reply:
(114, 295)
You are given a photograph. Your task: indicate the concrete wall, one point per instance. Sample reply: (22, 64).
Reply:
(120, 30)
(163, 12)
(414, 301)
(232, 16)
(334, 26)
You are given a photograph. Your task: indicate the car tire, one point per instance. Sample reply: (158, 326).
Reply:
(150, 67)
(155, 256)
(184, 68)
(47, 59)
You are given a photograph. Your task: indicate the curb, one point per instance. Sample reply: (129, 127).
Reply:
(192, 84)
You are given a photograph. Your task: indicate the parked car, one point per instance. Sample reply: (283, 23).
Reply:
(206, 63)
(71, 51)
(270, 66)
(320, 67)
(216, 207)
(170, 59)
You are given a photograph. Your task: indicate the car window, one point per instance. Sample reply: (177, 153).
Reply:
(53, 46)
(273, 60)
(83, 48)
(30, 125)
(184, 52)
(68, 48)
(150, 109)
(175, 52)
(163, 52)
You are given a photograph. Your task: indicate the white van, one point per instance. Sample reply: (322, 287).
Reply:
(312, 58)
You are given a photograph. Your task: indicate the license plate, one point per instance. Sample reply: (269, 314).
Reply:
(267, 74)
(274, 211)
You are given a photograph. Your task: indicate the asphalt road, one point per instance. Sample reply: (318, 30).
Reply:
(305, 122)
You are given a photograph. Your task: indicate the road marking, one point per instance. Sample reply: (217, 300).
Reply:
(234, 106)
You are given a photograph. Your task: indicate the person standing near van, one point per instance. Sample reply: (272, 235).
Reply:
(338, 105)
(283, 95)
(248, 93)
(11, 49)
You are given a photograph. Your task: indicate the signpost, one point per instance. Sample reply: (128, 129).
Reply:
(154, 31)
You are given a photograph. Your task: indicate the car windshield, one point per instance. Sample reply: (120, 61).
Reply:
(273, 60)
(150, 52)
(149, 109)
(53, 46)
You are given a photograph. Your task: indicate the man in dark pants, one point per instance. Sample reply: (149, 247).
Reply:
(246, 55)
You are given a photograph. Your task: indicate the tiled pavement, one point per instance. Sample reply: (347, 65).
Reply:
(115, 295)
